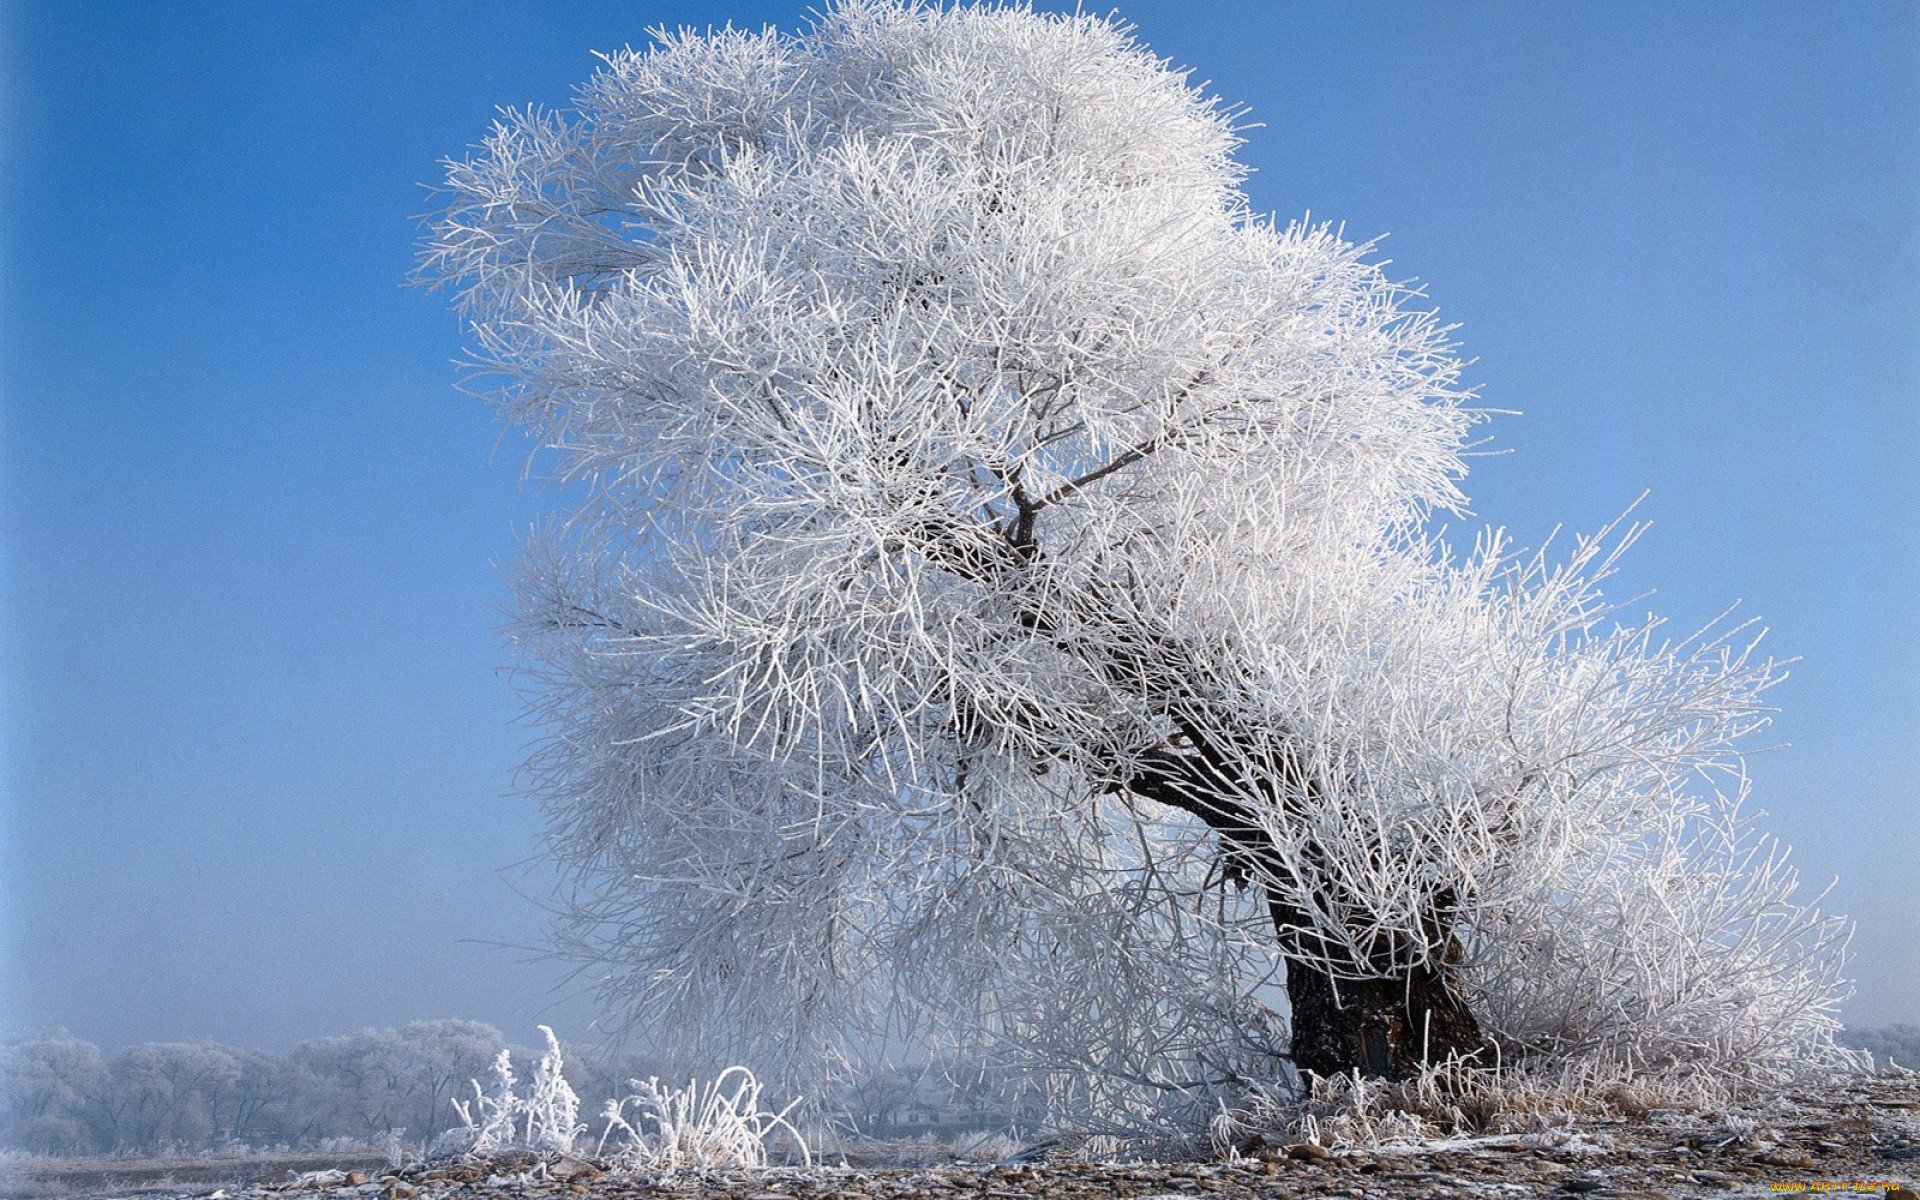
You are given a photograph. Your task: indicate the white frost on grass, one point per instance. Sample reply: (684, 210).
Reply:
(546, 1119)
(716, 1125)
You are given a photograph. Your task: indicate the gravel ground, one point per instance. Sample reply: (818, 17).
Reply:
(1864, 1136)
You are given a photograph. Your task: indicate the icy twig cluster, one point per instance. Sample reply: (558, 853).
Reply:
(998, 607)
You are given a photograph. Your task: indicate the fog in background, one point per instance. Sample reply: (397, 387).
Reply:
(258, 751)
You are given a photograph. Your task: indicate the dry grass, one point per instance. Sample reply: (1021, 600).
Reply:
(1461, 1100)
(721, 1124)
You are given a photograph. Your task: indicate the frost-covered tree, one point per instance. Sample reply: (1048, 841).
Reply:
(441, 1058)
(49, 1085)
(165, 1094)
(1893, 1047)
(998, 583)
(269, 1100)
(377, 1080)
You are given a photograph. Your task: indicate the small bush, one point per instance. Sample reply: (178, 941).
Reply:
(716, 1125)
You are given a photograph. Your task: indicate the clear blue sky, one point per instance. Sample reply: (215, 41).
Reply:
(257, 751)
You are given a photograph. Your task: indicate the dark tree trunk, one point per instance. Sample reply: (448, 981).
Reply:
(1384, 1027)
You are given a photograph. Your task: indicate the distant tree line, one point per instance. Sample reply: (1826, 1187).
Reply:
(60, 1094)
(1892, 1046)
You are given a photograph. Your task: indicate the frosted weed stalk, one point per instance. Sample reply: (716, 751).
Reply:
(546, 1119)
(716, 1125)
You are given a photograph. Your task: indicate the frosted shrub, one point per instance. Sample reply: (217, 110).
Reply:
(1455, 1099)
(985, 1146)
(1675, 943)
(716, 1125)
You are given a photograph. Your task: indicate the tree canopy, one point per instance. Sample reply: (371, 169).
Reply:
(999, 600)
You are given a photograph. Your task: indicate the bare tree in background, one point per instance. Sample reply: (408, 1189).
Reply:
(997, 573)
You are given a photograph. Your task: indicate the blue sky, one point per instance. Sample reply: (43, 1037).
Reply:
(258, 751)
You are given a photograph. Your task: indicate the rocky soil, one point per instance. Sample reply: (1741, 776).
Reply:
(1861, 1137)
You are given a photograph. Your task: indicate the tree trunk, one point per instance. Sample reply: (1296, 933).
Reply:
(1383, 1028)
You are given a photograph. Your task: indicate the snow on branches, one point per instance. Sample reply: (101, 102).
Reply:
(994, 542)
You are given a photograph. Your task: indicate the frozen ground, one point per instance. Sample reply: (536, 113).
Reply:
(40, 1178)
(1862, 1136)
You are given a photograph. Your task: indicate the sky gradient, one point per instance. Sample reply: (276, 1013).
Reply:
(258, 749)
